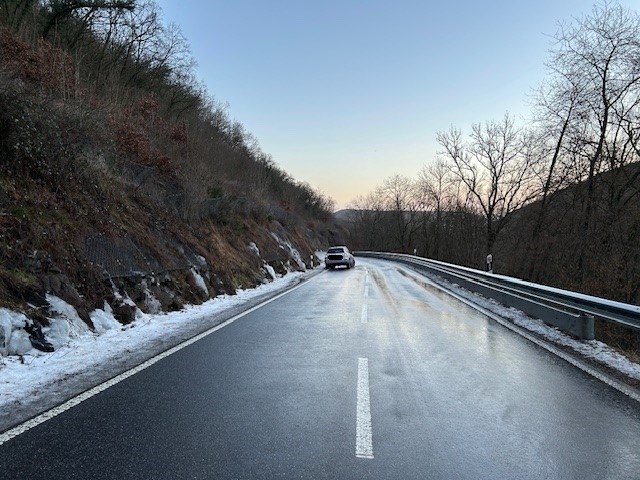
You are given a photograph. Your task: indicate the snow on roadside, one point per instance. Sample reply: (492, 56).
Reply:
(13, 343)
(79, 350)
(66, 325)
(104, 320)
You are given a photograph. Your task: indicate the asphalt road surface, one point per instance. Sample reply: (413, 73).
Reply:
(361, 373)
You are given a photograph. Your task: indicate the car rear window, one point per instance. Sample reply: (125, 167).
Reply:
(335, 250)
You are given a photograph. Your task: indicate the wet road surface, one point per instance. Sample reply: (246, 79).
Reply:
(360, 373)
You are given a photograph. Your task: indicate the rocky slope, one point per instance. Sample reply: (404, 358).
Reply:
(125, 204)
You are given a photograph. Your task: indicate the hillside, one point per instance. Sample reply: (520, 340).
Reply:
(551, 243)
(126, 185)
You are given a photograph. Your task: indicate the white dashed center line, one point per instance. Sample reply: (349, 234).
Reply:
(364, 442)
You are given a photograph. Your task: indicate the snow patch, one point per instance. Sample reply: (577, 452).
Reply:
(119, 297)
(293, 252)
(5, 335)
(103, 320)
(270, 270)
(11, 324)
(152, 303)
(65, 325)
(19, 343)
(253, 248)
(200, 281)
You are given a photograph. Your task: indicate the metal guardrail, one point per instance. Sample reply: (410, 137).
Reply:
(570, 311)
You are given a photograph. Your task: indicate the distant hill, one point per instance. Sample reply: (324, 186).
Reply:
(345, 215)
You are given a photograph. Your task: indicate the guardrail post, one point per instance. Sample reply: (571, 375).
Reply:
(588, 330)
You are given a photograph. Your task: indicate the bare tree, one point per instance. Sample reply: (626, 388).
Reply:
(496, 166)
(435, 183)
(557, 111)
(400, 199)
(61, 10)
(366, 223)
(14, 12)
(600, 52)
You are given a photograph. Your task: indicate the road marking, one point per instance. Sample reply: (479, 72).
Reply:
(363, 317)
(364, 442)
(366, 291)
(49, 414)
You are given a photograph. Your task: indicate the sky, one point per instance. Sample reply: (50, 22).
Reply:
(344, 94)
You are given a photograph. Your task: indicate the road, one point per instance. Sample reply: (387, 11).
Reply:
(364, 373)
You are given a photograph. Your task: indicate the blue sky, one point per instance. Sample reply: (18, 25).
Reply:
(344, 94)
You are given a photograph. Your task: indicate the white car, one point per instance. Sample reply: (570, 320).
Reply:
(339, 256)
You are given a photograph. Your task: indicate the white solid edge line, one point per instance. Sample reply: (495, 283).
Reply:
(49, 414)
(612, 382)
(364, 442)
